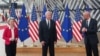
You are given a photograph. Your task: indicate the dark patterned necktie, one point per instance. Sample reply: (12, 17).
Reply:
(48, 24)
(87, 24)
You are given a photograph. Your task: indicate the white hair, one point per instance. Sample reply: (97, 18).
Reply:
(86, 12)
(48, 12)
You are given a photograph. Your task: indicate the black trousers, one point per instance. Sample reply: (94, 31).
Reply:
(49, 45)
(91, 48)
(11, 49)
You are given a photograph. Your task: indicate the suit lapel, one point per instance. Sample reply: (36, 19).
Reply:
(50, 24)
(46, 24)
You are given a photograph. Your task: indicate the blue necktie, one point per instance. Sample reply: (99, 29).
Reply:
(86, 24)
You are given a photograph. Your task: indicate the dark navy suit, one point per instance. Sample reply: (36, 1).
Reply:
(48, 35)
(90, 37)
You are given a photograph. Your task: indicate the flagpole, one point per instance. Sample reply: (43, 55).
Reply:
(33, 45)
(23, 44)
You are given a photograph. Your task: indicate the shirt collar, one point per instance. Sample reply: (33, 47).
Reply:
(89, 19)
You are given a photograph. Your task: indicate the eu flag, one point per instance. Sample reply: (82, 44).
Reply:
(23, 25)
(66, 26)
(43, 12)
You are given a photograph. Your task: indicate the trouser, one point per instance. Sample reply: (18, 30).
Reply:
(91, 48)
(11, 49)
(49, 45)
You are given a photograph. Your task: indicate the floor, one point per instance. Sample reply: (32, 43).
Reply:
(57, 54)
(68, 51)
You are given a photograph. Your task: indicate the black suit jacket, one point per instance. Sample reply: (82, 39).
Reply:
(91, 34)
(47, 34)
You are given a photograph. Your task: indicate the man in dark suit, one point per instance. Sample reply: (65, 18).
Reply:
(47, 34)
(89, 29)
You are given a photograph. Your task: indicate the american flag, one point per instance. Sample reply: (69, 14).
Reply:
(43, 12)
(58, 25)
(13, 14)
(33, 26)
(77, 25)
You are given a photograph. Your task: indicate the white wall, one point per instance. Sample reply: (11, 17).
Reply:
(2, 46)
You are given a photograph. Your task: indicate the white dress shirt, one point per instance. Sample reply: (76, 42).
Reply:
(48, 22)
(89, 21)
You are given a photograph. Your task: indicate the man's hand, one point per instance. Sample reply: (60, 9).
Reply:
(42, 43)
(84, 29)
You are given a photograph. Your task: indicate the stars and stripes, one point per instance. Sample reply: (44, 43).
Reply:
(77, 25)
(43, 12)
(58, 25)
(93, 5)
(12, 11)
(13, 14)
(33, 26)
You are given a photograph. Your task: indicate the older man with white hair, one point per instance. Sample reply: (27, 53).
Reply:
(89, 29)
(47, 34)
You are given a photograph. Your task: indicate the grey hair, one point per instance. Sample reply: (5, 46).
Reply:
(86, 12)
(48, 12)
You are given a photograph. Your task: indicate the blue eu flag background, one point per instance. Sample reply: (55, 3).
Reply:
(43, 12)
(23, 25)
(66, 26)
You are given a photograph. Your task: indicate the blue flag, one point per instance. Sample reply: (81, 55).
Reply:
(12, 11)
(43, 12)
(66, 26)
(23, 25)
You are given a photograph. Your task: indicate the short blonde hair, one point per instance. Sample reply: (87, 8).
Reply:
(9, 19)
